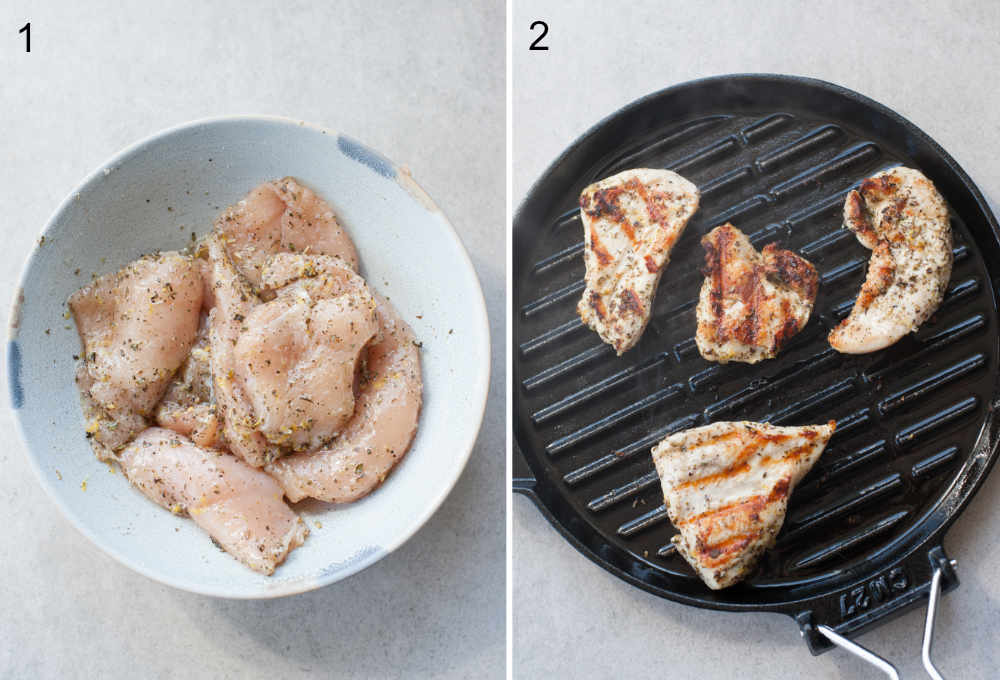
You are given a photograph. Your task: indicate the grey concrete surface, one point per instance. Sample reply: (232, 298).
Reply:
(421, 82)
(935, 63)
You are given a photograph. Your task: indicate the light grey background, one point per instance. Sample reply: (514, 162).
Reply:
(424, 84)
(936, 64)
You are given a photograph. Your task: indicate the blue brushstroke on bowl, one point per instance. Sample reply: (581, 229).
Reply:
(362, 154)
(14, 377)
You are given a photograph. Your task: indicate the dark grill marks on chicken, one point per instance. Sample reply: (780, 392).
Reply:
(751, 303)
(631, 222)
(726, 487)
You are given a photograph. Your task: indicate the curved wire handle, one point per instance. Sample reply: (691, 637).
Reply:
(880, 663)
(929, 623)
(859, 651)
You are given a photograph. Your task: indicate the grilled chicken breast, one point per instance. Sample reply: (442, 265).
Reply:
(241, 508)
(726, 489)
(281, 216)
(631, 222)
(137, 326)
(903, 220)
(380, 432)
(751, 303)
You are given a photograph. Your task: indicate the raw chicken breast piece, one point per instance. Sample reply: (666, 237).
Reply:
(188, 406)
(240, 507)
(137, 326)
(233, 301)
(107, 429)
(726, 488)
(298, 354)
(379, 433)
(318, 275)
(281, 216)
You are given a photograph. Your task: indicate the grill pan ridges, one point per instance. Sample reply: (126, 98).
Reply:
(775, 155)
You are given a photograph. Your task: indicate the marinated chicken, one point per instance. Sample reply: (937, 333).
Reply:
(631, 222)
(240, 507)
(318, 276)
(233, 300)
(281, 216)
(267, 364)
(137, 326)
(726, 488)
(188, 406)
(379, 433)
(903, 220)
(297, 356)
(751, 303)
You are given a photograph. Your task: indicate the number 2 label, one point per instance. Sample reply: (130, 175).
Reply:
(536, 43)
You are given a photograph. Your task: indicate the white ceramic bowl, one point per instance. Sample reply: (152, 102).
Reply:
(153, 196)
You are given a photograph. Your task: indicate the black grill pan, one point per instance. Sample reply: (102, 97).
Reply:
(775, 155)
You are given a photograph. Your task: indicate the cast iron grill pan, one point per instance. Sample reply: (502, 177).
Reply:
(775, 155)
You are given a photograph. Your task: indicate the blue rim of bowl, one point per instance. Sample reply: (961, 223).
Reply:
(366, 558)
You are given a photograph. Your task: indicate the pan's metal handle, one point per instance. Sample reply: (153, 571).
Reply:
(942, 578)
(859, 651)
(522, 479)
(929, 623)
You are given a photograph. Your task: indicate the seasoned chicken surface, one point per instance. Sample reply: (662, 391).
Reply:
(265, 361)
(751, 303)
(108, 429)
(281, 216)
(240, 507)
(232, 301)
(726, 488)
(319, 276)
(188, 406)
(137, 326)
(631, 222)
(903, 220)
(379, 433)
(297, 355)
